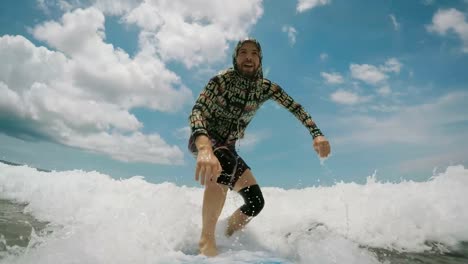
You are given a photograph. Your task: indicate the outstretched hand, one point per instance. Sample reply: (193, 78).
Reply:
(208, 167)
(322, 146)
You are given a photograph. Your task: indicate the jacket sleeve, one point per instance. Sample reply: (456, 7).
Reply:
(202, 110)
(282, 98)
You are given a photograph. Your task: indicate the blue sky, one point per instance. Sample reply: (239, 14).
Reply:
(108, 85)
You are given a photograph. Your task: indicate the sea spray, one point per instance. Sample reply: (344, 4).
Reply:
(96, 219)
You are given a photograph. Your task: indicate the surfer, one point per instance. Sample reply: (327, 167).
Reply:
(218, 119)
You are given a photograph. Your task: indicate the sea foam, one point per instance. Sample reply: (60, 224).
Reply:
(94, 218)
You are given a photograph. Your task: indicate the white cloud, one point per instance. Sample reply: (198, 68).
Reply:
(194, 32)
(81, 94)
(419, 124)
(347, 97)
(291, 31)
(367, 73)
(146, 16)
(375, 75)
(450, 20)
(332, 78)
(395, 23)
(84, 96)
(10, 101)
(113, 7)
(104, 73)
(304, 5)
(78, 33)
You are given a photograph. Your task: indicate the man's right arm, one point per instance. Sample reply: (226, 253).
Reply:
(208, 167)
(202, 111)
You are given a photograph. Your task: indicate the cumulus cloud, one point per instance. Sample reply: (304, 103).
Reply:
(112, 7)
(347, 97)
(304, 5)
(332, 78)
(375, 75)
(367, 73)
(81, 93)
(450, 20)
(291, 31)
(105, 73)
(194, 32)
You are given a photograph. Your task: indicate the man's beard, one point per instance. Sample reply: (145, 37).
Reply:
(248, 74)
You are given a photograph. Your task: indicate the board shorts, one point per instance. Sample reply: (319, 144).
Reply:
(232, 164)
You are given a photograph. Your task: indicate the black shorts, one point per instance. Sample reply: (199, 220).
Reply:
(233, 165)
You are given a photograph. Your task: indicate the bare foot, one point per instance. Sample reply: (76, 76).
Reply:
(208, 247)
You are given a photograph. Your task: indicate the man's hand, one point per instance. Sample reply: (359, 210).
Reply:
(208, 166)
(322, 146)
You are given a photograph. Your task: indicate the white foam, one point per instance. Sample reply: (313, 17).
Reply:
(97, 219)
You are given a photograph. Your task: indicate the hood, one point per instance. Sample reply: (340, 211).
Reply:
(259, 74)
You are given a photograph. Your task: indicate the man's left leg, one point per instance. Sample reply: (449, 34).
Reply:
(248, 188)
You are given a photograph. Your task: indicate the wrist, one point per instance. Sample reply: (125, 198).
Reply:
(315, 131)
(202, 142)
(202, 147)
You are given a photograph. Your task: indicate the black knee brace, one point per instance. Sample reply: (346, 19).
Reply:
(253, 199)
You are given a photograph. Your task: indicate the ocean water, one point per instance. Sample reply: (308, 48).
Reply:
(88, 217)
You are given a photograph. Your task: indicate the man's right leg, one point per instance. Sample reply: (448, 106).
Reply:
(213, 202)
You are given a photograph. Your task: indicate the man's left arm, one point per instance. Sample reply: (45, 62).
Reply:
(320, 143)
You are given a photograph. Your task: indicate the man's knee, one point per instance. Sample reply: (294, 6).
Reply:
(253, 199)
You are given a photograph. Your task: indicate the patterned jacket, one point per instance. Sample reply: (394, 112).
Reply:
(229, 101)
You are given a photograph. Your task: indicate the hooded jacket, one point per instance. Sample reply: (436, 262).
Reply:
(230, 100)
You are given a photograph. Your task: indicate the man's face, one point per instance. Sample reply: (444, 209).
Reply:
(248, 59)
